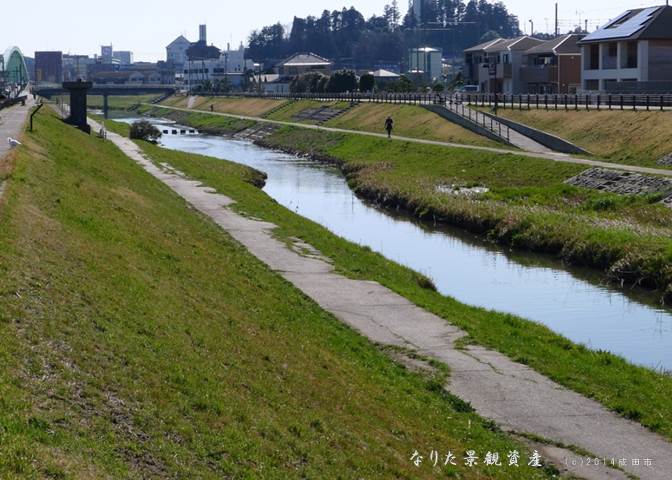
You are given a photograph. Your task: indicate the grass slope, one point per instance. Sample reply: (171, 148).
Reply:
(139, 341)
(633, 138)
(409, 121)
(254, 107)
(634, 392)
(528, 206)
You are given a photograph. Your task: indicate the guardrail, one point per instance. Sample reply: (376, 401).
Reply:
(585, 102)
(489, 123)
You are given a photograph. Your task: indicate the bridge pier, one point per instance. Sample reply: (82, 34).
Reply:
(78, 115)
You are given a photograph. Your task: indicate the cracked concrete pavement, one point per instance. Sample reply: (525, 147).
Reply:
(516, 397)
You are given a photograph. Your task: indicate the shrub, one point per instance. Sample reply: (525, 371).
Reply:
(143, 130)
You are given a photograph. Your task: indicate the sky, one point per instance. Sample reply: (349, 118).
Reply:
(147, 26)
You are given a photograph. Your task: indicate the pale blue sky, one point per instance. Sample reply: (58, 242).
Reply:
(147, 26)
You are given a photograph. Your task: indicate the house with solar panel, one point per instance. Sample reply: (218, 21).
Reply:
(631, 54)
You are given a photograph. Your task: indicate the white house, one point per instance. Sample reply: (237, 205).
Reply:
(632, 53)
(176, 52)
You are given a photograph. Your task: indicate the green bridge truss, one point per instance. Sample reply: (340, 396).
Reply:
(13, 67)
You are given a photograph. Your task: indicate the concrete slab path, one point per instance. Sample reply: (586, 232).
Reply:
(513, 395)
(12, 121)
(556, 157)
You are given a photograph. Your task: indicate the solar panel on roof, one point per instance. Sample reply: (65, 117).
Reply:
(623, 30)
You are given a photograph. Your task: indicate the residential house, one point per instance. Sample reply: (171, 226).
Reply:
(302, 63)
(176, 52)
(496, 66)
(553, 67)
(632, 53)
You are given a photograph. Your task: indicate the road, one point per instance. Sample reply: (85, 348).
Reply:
(556, 157)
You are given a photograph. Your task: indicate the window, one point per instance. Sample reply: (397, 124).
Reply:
(592, 84)
(631, 58)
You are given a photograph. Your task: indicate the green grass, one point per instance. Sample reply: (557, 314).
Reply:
(288, 112)
(632, 138)
(140, 341)
(118, 102)
(409, 121)
(529, 205)
(634, 392)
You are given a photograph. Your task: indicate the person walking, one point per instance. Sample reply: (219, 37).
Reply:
(389, 126)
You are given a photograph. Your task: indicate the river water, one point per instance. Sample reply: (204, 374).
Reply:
(572, 302)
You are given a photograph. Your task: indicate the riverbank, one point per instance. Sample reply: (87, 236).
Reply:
(528, 204)
(599, 375)
(141, 341)
(634, 138)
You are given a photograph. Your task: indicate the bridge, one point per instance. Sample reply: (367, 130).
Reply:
(106, 91)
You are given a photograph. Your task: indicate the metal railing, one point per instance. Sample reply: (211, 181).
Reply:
(586, 102)
(487, 122)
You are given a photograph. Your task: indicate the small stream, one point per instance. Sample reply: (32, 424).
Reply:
(571, 301)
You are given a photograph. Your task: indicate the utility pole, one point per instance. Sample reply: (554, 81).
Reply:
(557, 26)
(532, 28)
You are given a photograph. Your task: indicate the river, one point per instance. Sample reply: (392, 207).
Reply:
(571, 301)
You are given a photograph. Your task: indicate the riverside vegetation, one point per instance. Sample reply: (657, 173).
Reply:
(635, 392)
(141, 341)
(528, 205)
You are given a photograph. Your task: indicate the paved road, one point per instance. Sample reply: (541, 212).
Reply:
(515, 396)
(12, 121)
(556, 157)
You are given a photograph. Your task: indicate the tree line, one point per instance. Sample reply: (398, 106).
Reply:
(353, 41)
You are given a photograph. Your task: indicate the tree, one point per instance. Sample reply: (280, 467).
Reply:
(343, 81)
(143, 130)
(367, 83)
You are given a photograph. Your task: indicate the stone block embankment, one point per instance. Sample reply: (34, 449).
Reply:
(624, 183)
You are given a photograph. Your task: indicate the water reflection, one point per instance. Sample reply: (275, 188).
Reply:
(570, 301)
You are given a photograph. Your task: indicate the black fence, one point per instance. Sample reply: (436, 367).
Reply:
(352, 97)
(623, 102)
(568, 102)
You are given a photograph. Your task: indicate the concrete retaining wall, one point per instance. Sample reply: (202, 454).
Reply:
(455, 118)
(556, 144)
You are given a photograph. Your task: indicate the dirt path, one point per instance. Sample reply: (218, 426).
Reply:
(556, 157)
(513, 395)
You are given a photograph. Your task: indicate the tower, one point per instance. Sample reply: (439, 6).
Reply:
(203, 33)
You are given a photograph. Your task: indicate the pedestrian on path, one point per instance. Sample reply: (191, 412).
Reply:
(389, 126)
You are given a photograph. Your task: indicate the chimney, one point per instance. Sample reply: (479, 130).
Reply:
(203, 33)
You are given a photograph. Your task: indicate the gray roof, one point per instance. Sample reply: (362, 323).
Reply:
(506, 44)
(305, 60)
(642, 23)
(565, 44)
(180, 39)
(482, 46)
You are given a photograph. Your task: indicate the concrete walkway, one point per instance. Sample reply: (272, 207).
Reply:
(515, 138)
(556, 157)
(12, 121)
(516, 397)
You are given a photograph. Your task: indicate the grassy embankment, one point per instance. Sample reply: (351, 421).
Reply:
(634, 392)
(410, 120)
(529, 206)
(121, 102)
(633, 138)
(140, 341)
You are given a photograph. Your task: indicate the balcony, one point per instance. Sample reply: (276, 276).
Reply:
(539, 74)
(504, 70)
